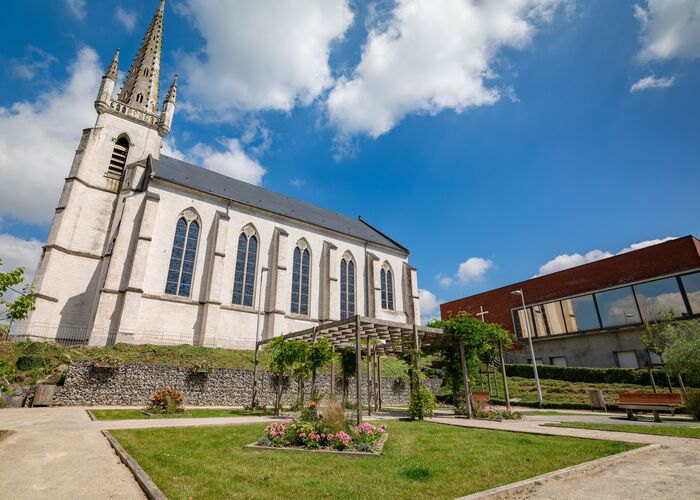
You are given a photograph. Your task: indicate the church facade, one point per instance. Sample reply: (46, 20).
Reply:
(147, 248)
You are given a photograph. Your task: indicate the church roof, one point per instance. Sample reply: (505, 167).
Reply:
(201, 179)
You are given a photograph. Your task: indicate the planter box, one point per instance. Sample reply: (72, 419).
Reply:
(379, 449)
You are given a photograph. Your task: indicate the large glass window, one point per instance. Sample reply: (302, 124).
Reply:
(182, 257)
(658, 297)
(387, 287)
(540, 320)
(244, 278)
(580, 314)
(691, 284)
(521, 327)
(617, 307)
(555, 318)
(300, 280)
(347, 288)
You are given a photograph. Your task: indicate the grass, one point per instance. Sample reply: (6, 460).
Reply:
(421, 460)
(191, 413)
(546, 413)
(688, 432)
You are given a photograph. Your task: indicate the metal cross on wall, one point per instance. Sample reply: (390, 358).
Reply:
(482, 313)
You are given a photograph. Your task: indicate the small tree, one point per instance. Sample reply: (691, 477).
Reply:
(681, 354)
(347, 365)
(319, 356)
(284, 356)
(24, 301)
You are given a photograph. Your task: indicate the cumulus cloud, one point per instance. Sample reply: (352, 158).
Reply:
(36, 62)
(260, 54)
(566, 261)
(78, 8)
(427, 59)
(651, 82)
(429, 305)
(470, 271)
(38, 141)
(669, 29)
(17, 252)
(126, 18)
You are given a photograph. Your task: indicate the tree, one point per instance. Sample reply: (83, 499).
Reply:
(285, 355)
(16, 302)
(319, 355)
(347, 365)
(681, 353)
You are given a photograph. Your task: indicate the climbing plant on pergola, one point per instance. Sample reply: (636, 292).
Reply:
(375, 337)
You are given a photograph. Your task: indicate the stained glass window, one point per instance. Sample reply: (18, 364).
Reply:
(244, 277)
(182, 258)
(387, 285)
(300, 281)
(347, 288)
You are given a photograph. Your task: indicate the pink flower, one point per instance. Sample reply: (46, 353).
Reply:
(330, 436)
(302, 434)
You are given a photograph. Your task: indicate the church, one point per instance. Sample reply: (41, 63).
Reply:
(145, 248)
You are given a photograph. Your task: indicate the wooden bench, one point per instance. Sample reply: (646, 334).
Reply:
(655, 403)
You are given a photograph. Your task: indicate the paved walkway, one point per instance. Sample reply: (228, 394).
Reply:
(672, 471)
(59, 453)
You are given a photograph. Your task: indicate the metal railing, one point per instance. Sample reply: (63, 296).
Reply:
(81, 335)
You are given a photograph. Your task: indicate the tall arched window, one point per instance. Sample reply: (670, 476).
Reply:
(246, 259)
(387, 279)
(347, 287)
(118, 160)
(300, 278)
(183, 255)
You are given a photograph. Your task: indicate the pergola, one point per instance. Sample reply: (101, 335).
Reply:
(374, 336)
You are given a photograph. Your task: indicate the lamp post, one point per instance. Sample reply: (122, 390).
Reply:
(257, 340)
(532, 349)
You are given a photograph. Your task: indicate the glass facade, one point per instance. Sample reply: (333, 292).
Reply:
(615, 308)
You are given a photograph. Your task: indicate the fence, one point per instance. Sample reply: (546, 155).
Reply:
(80, 335)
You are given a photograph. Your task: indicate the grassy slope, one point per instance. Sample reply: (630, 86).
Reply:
(689, 432)
(191, 413)
(55, 358)
(421, 460)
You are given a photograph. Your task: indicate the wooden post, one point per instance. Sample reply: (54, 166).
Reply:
(255, 375)
(375, 387)
(369, 378)
(488, 379)
(668, 381)
(506, 393)
(333, 373)
(650, 370)
(358, 363)
(379, 377)
(416, 361)
(682, 385)
(313, 373)
(465, 379)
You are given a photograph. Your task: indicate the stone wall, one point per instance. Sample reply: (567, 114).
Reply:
(132, 384)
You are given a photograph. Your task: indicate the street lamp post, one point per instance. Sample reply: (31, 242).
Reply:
(257, 340)
(532, 349)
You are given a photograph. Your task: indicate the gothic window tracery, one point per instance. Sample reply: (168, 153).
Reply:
(182, 257)
(347, 286)
(387, 287)
(301, 278)
(246, 260)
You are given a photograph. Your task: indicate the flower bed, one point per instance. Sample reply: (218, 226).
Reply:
(363, 439)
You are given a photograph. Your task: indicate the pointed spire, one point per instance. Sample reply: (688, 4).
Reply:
(112, 69)
(171, 96)
(140, 88)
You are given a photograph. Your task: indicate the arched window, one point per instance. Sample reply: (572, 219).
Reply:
(347, 287)
(183, 255)
(118, 160)
(246, 259)
(387, 279)
(300, 278)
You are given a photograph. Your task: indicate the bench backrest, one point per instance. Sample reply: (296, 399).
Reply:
(484, 397)
(647, 398)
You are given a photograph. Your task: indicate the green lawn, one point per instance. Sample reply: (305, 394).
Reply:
(191, 413)
(659, 430)
(548, 413)
(421, 460)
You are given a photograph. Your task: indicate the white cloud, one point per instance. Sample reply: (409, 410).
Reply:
(566, 261)
(652, 82)
(260, 54)
(38, 141)
(36, 61)
(16, 252)
(429, 305)
(231, 161)
(77, 7)
(427, 59)
(470, 271)
(127, 18)
(669, 29)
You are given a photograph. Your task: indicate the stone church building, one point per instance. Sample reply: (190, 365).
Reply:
(147, 248)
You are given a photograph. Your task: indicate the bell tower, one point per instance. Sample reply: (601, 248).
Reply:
(129, 128)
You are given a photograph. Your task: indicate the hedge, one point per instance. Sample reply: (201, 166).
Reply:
(589, 375)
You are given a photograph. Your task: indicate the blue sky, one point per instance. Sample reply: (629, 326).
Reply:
(491, 138)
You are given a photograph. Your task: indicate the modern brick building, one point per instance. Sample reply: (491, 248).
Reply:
(592, 315)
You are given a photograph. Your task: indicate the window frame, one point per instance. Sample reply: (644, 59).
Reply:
(345, 262)
(190, 216)
(386, 276)
(249, 231)
(302, 247)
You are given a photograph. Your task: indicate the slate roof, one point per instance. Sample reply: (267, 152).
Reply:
(208, 181)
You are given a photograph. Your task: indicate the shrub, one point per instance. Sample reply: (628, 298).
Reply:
(589, 375)
(167, 401)
(364, 447)
(277, 433)
(264, 441)
(422, 404)
(692, 403)
(334, 418)
(28, 363)
(366, 433)
(339, 441)
(310, 413)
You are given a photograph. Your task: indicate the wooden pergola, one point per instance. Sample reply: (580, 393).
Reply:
(374, 336)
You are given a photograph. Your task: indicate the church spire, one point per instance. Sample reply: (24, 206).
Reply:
(140, 88)
(171, 96)
(112, 70)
